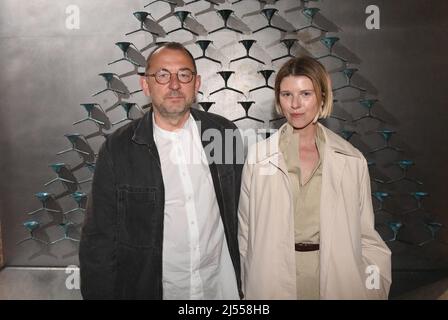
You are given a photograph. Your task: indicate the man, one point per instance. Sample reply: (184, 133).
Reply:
(160, 224)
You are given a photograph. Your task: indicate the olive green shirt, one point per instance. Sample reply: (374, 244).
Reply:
(306, 195)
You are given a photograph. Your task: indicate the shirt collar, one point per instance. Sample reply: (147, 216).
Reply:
(178, 133)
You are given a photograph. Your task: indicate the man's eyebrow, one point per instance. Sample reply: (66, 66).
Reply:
(161, 69)
(181, 69)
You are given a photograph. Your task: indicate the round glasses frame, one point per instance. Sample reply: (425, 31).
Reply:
(164, 76)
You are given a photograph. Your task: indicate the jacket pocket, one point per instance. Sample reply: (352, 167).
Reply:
(137, 222)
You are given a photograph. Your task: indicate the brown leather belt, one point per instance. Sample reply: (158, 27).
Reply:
(307, 247)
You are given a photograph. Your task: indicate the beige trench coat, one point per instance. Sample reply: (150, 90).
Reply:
(348, 240)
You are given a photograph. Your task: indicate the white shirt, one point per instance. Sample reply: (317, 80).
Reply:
(196, 259)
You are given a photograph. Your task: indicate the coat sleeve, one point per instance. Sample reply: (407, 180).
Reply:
(375, 253)
(243, 218)
(97, 257)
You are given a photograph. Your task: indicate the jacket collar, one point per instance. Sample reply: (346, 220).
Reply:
(333, 143)
(338, 144)
(143, 133)
(205, 121)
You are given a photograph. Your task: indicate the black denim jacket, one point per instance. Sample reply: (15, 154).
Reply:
(120, 252)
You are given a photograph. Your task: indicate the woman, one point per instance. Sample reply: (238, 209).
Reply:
(306, 224)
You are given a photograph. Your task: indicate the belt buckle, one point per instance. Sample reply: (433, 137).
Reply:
(306, 247)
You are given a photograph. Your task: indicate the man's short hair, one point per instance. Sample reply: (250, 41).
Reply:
(172, 46)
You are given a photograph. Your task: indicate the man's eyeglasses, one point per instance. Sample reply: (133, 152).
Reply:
(164, 76)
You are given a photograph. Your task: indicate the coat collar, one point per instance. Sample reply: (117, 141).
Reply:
(333, 144)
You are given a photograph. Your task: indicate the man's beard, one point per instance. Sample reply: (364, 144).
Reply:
(167, 113)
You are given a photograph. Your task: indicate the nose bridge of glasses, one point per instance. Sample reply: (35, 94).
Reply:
(174, 79)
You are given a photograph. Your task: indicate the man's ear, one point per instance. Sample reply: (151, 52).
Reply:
(197, 83)
(144, 86)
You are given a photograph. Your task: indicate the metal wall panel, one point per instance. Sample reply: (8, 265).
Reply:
(48, 70)
(33, 283)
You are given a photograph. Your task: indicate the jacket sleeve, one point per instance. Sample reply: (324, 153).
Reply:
(375, 253)
(243, 218)
(97, 246)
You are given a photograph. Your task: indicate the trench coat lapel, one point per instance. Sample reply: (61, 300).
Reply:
(272, 152)
(279, 163)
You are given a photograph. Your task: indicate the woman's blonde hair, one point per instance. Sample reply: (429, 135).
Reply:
(315, 71)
